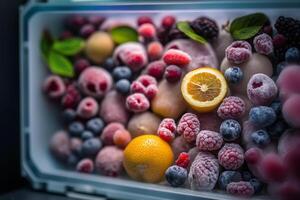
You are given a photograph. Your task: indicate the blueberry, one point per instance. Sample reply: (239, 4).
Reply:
(246, 175)
(72, 160)
(260, 138)
(233, 75)
(227, 177)
(91, 147)
(95, 125)
(262, 116)
(292, 55)
(122, 73)
(276, 130)
(257, 185)
(230, 130)
(123, 86)
(176, 176)
(69, 115)
(276, 106)
(109, 64)
(76, 128)
(280, 66)
(87, 135)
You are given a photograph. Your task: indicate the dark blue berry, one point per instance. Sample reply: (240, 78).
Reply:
(292, 55)
(95, 125)
(91, 147)
(257, 185)
(280, 66)
(230, 130)
(276, 106)
(72, 160)
(277, 129)
(123, 86)
(176, 176)
(122, 73)
(246, 175)
(87, 135)
(227, 177)
(109, 64)
(233, 75)
(262, 116)
(76, 129)
(260, 138)
(69, 115)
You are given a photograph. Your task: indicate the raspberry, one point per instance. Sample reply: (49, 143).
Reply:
(209, 140)
(144, 20)
(263, 44)
(204, 172)
(156, 69)
(173, 73)
(54, 86)
(232, 108)
(231, 156)
(154, 50)
(241, 188)
(189, 127)
(273, 168)
(137, 103)
(72, 97)
(60, 145)
(147, 30)
(279, 41)
(227, 177)
(166, 129)
(238, 52)
(168, 21)
(205, 27)
(81, 64)
(183, 160)
(87, 108)
(176, 57)
(146, 85)
(253, 155)
(85, 166)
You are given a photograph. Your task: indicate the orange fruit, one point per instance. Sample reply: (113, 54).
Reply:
(147, 157)
(204, 88)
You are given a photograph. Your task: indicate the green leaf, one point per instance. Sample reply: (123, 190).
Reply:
(60, 64)
(247, 26)
(188, 31)
(69, 47)
(45, 44)
(123, 34)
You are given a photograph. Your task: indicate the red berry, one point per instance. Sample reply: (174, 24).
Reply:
(96, 21)
(176, 57)
(168, 22)
(183, 160)
(232, 107)
(87, 108)
(209, 140)
(72, 97)
(263, 44)
(238, 52)
(154, 50)
(165, 134)
(273, 168)
(279, 41)
(253, 155)
(147, 30)
(54, 86)
(87, 30)
(143, 20)
(241, 188)
(137, 103)
(85, 166)
(173, 73)
(231, 156)
(146, 85)
(166, 129)
(189, 127)
(156, 69)
(81, 64)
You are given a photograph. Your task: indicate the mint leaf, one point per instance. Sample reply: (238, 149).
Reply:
(69, 47)
(247, 26)
(188, 31)
(45, 44)
(123, 34)
(60, 64)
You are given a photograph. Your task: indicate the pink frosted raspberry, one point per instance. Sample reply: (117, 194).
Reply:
(109, 161)
(156, 69)
(154, 50)
(147, 30)
(176, 57)
(85, 166)
(232, 108)
(109, 132)
(189, 127)
(261, 89)
(72, 97)
(263, 44)
(146, 85)
(204, 172)
(241, 188)
(137, 102)
(87, 108)
(166, 129)
(209, 140)
(238, 52)
(54, 86)
(95, 82)
(231, 156)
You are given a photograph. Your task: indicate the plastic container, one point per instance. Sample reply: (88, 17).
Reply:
(38, 116)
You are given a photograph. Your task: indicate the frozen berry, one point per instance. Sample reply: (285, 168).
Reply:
(232, 107)
(54, 86)
(95, 125)
(146, 85)
(227, 177)
(69, 115)
(272, 168)
(156, 69)
(123, 86)
(121, 138)
(109, 64)
(87, 108)
(206, 27)
(109, 161)
(280, 66)
(257, 185)
(176, 57)
(238, 52)
(109, 132)
(166, 129)
(183, 160)
(209, 140)
(143, 20)
(168, 21)
(72, 97)
(233, 75)
(253, 155)
(240, 188)
(176, 175)
(173, 73)
(279, 41)
(76, 146)
(87, 30)
(81, 64)
(122, 73)
(137, 102)
(261, 89)
(263, 44)
(230, 130)
(292, 55)
(289, 190)
(76, 128)
(261, 138)
(87, 135)
(147, 31)
(85, 166)
(276, 129)
(262, 116)
(60, 145)
(96, 20)
(231, 156)
(291, 110)
(91, 147)
(189, 127)
(154, 50)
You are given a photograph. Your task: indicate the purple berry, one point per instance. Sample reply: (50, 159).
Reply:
(231, 156)
(241, 188)
(96, 21)
(173, 73)
(87, 30)
(279, 41)
(176, 176)
(81, 64)
(238, 52)
(263, 44)
(227, 177)
(230, 130)
(262, 116)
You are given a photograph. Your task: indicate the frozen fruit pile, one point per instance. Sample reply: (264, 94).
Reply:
(233, 126)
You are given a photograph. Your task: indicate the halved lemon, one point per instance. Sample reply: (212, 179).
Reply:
(204, 88)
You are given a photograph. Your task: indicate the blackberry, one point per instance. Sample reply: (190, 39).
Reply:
(205, 27)
(290, 28)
